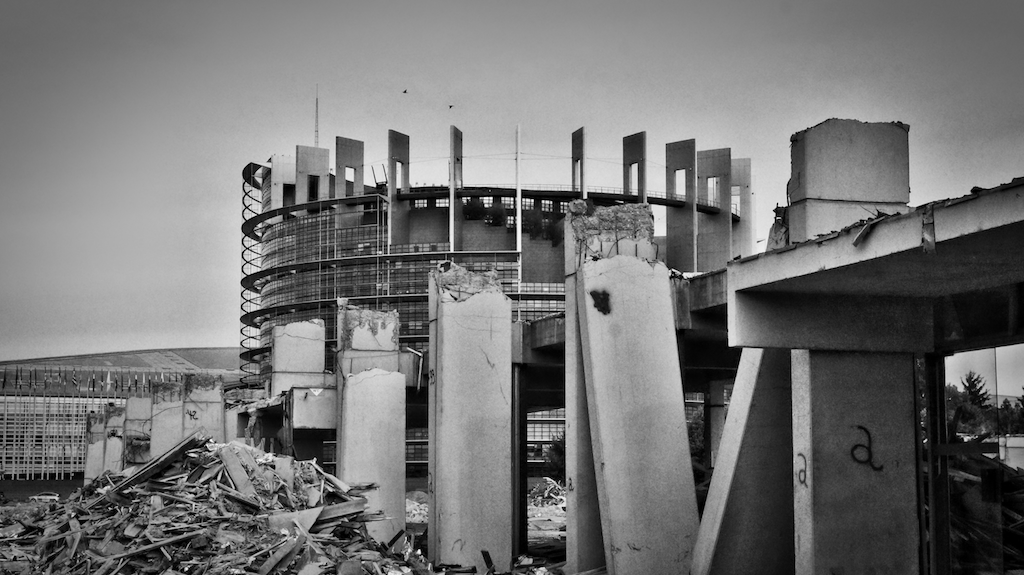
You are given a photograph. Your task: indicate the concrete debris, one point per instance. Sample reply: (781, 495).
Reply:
(610, 224)
(206, 508)
(456, 283)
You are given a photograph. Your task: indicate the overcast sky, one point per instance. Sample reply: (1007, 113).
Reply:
(125, 125)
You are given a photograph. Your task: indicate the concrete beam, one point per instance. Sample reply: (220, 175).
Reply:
(823, 322)
(470, 423)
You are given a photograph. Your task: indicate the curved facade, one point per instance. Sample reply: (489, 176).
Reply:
(313, 233)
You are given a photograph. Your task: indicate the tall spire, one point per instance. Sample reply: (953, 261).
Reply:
(316, 119)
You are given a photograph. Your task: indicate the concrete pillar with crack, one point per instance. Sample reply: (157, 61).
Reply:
(371, 413)
(470, 422)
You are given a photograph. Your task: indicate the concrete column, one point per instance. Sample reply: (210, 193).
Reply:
(634, 393)
(747, 526)
(584, 542)
(854, 464)
(470, 397)
(371, 413)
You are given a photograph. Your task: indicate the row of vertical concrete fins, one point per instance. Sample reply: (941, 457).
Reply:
(302, 231)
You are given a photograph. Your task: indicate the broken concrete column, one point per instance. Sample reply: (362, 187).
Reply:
(605, 232)
(371, 409)
(95, 444)
(750, 501)
(854, 464)
(470, 423)
(634, 393)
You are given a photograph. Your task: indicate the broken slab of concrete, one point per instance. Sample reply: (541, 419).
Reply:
(366, 329)
(470, 423)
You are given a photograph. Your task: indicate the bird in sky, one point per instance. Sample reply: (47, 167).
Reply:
(405, 91)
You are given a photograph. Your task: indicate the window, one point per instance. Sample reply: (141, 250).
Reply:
(527, 204)
(563, 207)
(488, 201)
(350, 181)
(713, 188)
(547, 205)
(508, 203)
(441, 203)
(313, 189)
(288, 198)
(419, 204)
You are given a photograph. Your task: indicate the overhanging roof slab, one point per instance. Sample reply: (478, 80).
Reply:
(876, 295)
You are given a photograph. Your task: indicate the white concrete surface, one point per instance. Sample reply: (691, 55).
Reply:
(372, 445)
(470, 397)
(637, 418)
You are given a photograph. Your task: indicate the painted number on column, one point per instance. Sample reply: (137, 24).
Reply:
(862, 452)
(801, 472)
(191, 414)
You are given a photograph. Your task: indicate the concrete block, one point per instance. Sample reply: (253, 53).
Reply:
(281, 382)
(854, 464)
(365, 329)
(747, 525)
(634, 387)
(95, 445)
(313, 408)
(371, 444)
(470, 398)
(299, 347)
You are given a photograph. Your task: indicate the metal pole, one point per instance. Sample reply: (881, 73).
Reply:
(519, 229)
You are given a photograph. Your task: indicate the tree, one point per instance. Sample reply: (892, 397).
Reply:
(974, 387)
(554, 458)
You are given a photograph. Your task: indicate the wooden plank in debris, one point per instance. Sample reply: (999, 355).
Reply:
(238, 474)
(287, 520)
(158, 464)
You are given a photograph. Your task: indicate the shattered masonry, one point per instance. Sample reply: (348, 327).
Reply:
(458, 284)
(610, 224)
(354, 317)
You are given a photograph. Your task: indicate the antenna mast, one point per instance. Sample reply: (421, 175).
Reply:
(316, 120)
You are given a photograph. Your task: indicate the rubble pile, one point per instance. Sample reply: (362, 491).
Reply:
(203, 508)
